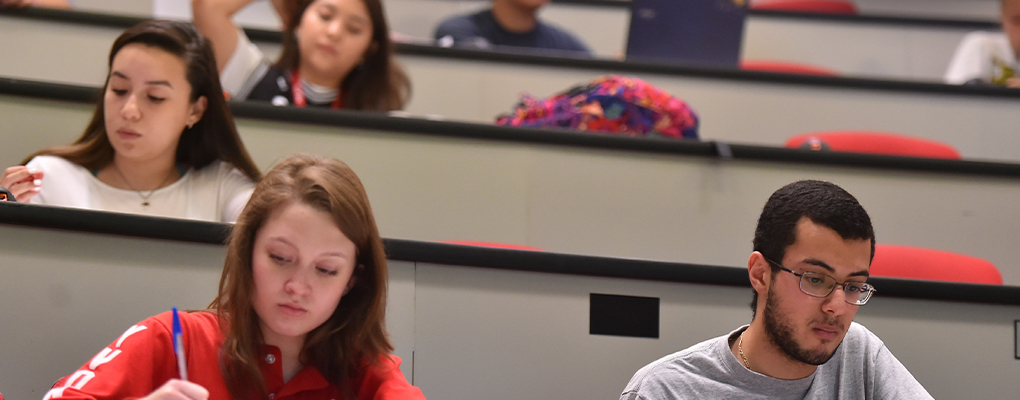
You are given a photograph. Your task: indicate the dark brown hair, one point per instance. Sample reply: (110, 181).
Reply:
(212, 138)
(378, 83)
(355, 333)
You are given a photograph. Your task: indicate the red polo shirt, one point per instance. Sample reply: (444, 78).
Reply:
(142, 360)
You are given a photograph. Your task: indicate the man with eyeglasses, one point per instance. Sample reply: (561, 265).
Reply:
(812, 251)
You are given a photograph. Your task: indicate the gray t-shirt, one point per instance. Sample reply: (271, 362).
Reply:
(861, 368)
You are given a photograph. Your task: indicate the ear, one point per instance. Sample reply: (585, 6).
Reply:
(354, 279)
(197, 110)
(760, 272)
(350, 285)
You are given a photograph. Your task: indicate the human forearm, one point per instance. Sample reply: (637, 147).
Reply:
(214, 18)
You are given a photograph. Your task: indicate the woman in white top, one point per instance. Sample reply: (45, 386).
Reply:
(161, 142)
(336, 54)
(989, 58)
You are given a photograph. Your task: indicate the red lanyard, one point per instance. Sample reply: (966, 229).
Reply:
(298, 92)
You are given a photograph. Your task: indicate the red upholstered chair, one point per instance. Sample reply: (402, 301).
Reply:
(785, 67)
(809, 6)
(896, 261)
(874, 143)
(491, 244)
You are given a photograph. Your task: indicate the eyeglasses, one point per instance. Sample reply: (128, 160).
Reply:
(821, 285)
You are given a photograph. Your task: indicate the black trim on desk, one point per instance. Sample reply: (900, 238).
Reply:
(49, 91)
(466, 130)
(90, 221)
(571, 264)
(635, 67)
(596, 3)
(112, 223)
(881, 20)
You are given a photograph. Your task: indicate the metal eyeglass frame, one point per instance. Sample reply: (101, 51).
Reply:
(867, 290)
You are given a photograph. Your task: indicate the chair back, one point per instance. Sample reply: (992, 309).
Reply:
(785, 67)
(897, 261)
(874, 143)
(809, 6)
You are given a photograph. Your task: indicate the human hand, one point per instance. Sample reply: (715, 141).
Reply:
(1013, 82)
(176, 389)
(21, 182)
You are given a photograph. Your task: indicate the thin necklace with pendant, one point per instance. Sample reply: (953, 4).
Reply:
(145, 197)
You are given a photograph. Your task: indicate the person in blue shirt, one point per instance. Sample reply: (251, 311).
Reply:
(508, 24)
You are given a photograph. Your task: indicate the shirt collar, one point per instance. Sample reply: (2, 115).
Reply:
(308, 378)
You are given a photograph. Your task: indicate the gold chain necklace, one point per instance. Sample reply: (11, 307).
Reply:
(145, 197)
(740, 349)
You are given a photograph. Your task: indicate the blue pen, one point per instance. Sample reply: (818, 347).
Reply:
(182, 367)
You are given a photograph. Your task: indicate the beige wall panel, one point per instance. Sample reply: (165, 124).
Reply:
(421, 188)
(30, 125)
(55, 52)
(702, 211)
(530, 331)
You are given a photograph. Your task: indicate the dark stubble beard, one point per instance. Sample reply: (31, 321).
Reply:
(779, 332)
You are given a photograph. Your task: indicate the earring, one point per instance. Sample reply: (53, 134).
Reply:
(191, 125)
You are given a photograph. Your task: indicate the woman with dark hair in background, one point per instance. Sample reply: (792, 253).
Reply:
(336, 53)
(161, 142)
(299, 315)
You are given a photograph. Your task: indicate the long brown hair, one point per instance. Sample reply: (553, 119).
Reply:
(355, 333)
(212, 138)
(378, 83)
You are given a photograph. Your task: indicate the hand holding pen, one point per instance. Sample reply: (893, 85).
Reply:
(179, 389)
(182, 366)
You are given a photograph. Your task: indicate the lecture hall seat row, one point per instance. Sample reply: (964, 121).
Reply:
(744, 107)
(577, 193)
(511, 322)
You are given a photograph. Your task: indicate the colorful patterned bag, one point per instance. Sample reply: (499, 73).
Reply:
(614, 104)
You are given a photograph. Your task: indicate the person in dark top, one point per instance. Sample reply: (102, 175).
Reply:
(509, 23)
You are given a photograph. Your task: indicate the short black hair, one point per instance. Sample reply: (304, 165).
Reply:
(823, 203)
